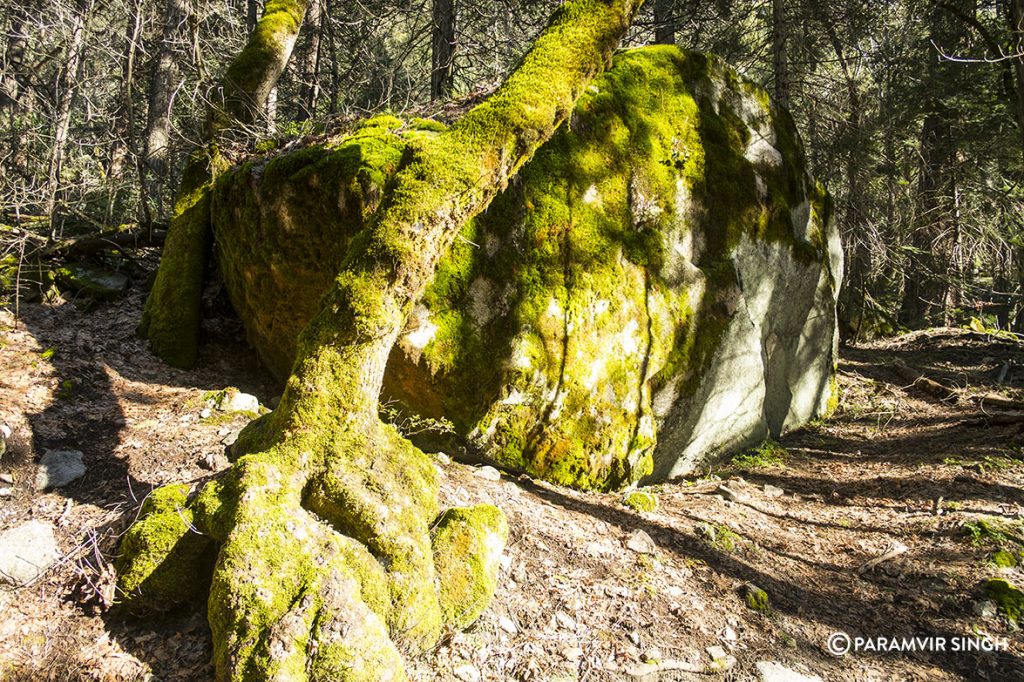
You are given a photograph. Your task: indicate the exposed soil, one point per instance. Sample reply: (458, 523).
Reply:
(897, 471)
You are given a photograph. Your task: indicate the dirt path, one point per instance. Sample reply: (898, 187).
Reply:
(592, 590)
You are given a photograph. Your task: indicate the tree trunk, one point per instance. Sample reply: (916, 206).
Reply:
(163, 86)
(14, 86)
(171, 317)
(928, 295)
(336, 593)
(664, 22)
(66, 90)
(442, 50)
(309, 92)
(1016, 17)
(780, 52)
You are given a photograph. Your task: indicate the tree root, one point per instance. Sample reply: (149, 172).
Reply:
(325, 566)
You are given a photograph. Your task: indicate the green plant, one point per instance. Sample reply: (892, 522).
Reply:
(767, 454)
(719, 536)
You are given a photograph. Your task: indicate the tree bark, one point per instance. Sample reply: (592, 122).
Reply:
(66, 91)
(14, 85)
(171, 318)
(780, 52)
(664, 22)
(1016, 17)
(163, 86)
(326, 564)
(929, 296)
(309, 92)
(442, 50)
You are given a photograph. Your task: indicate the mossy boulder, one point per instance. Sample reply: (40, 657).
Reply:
(91, 282)
(656, 287)
(1007, 596)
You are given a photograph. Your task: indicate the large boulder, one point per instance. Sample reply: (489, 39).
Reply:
(656, 288)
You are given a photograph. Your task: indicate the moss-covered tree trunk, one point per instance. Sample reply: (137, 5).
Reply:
(171, 318)
(330, 555)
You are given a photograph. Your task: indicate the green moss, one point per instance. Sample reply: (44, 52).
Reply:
(1004, 559)
(162, 555)
(467, 546)
(991, 531)
(757, 599)
(1007, 597)
(641, 501)
(719, 536)
(526, 304)
(768, 454)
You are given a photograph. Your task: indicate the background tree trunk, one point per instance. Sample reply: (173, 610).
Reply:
(309, 67)
(664, 22)
(442, 51)
(66, 90)
(780, 52)
(163, 86)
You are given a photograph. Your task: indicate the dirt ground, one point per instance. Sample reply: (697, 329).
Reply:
(875, 533)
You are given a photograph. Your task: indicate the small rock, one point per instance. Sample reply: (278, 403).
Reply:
(205, 413)
(214, 461)
(717, 653)
(730, 634)
(442, 458)
(230, 438)
(986, 608)
(236, 401)
(565, 621)
(771, 671)
(756, 598)
(651, 655)
(634, 637)
(467, 673)
(641, 543)
(508, 625)
(573, 654)
(488, 474)
(6, 492)
(58, 468)
(7, 478)
(28, 550)
(773, 491)
(730, 494)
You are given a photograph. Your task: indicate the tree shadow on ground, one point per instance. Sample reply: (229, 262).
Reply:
(101, 375)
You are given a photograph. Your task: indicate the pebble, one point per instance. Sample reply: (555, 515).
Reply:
(573, 653)
(773, 491)
(508, 625)
(730, 494)
(214, 461)
(565, 621)
(641, 543)
(28, 550)
(986, 608)
(442, 458)
(6, 492)
(57, 468)
(488, 474)
(467, 673)
(652, 654)
(7, 478)
(239, 402)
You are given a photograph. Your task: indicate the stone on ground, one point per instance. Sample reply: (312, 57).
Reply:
(26, 551)
(57, 468)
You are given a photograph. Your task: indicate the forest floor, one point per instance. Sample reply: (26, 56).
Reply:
(887, 521)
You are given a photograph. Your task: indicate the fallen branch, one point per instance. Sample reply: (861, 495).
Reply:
(919, 380)
(897, 549)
